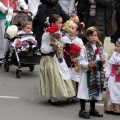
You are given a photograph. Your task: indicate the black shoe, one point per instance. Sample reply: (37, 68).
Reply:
(70, 101)
(95, 113)
(55, 103)
(84, 114)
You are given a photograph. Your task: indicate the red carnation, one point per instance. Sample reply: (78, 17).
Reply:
(74, 49)
(58, 36)
(52, 29)
(97, 51)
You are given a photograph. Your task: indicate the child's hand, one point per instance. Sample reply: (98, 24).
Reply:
(117, 49)
(91, 64)
(17, 35)
(83, 24)
(75, 60)
(106, 79)
(26, 10)
(102, 59)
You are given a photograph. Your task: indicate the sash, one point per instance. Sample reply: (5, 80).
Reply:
(114, 72)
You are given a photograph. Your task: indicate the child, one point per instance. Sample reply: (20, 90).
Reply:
(91, 81)
(25, 41)
(54, 75)
(68, 41)
(112, 98)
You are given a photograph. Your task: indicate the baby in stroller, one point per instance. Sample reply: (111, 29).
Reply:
(25, 41)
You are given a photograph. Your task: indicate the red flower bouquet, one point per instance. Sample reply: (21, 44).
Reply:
(55, 39)
(52, 29)
(75, 53)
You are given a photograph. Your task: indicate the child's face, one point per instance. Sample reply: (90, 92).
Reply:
(117, 47)
(72, 31)
(117, 44)
(27, 28)
(93, 38)
(59, 23)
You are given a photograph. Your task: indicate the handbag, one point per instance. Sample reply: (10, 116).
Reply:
(111, 25)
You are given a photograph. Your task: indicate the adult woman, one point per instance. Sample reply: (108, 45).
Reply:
(117, 33)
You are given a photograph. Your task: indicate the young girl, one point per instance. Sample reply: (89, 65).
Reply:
(91, 81)
(25, 41)
(68, 41)
(112, 98)
(54, 75)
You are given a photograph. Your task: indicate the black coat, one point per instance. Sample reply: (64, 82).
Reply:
(45, 10)
(103, 12)
(117, 33)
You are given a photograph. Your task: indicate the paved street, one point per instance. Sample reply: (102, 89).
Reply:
(20, 100)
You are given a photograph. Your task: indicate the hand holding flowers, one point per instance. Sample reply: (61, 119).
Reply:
(55, 40)
(102, 59)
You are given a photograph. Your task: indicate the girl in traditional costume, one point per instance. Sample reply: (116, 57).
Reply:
(68, 41)
(92, 80)
(112, 98)
(4, 5)
(55, 79)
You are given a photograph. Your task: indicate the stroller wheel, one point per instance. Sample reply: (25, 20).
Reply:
(6, 67)
(18, 73)
(31, 68)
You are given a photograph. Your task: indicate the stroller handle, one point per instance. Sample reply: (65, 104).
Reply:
(24, 34)
(22, 11)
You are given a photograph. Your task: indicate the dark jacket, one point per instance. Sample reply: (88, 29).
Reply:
(117, 33)
(103, 12)
(45, 10)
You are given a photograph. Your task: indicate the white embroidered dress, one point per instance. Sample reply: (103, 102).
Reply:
(83, 90)
(54, 76)
(113, 87)
(77, 41)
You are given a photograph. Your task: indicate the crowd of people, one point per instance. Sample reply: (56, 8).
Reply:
(72, 64)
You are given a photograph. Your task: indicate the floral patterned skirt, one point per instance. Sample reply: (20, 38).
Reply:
(108, 106)
(51, 81)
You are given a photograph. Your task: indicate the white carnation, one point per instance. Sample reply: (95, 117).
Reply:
(12, 31)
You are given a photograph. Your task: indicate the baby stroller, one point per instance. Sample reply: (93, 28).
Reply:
(20, 59)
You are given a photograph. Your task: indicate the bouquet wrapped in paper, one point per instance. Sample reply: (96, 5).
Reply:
(55, 40)
(75, 53)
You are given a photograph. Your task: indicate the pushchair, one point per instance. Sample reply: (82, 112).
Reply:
(20, 59)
